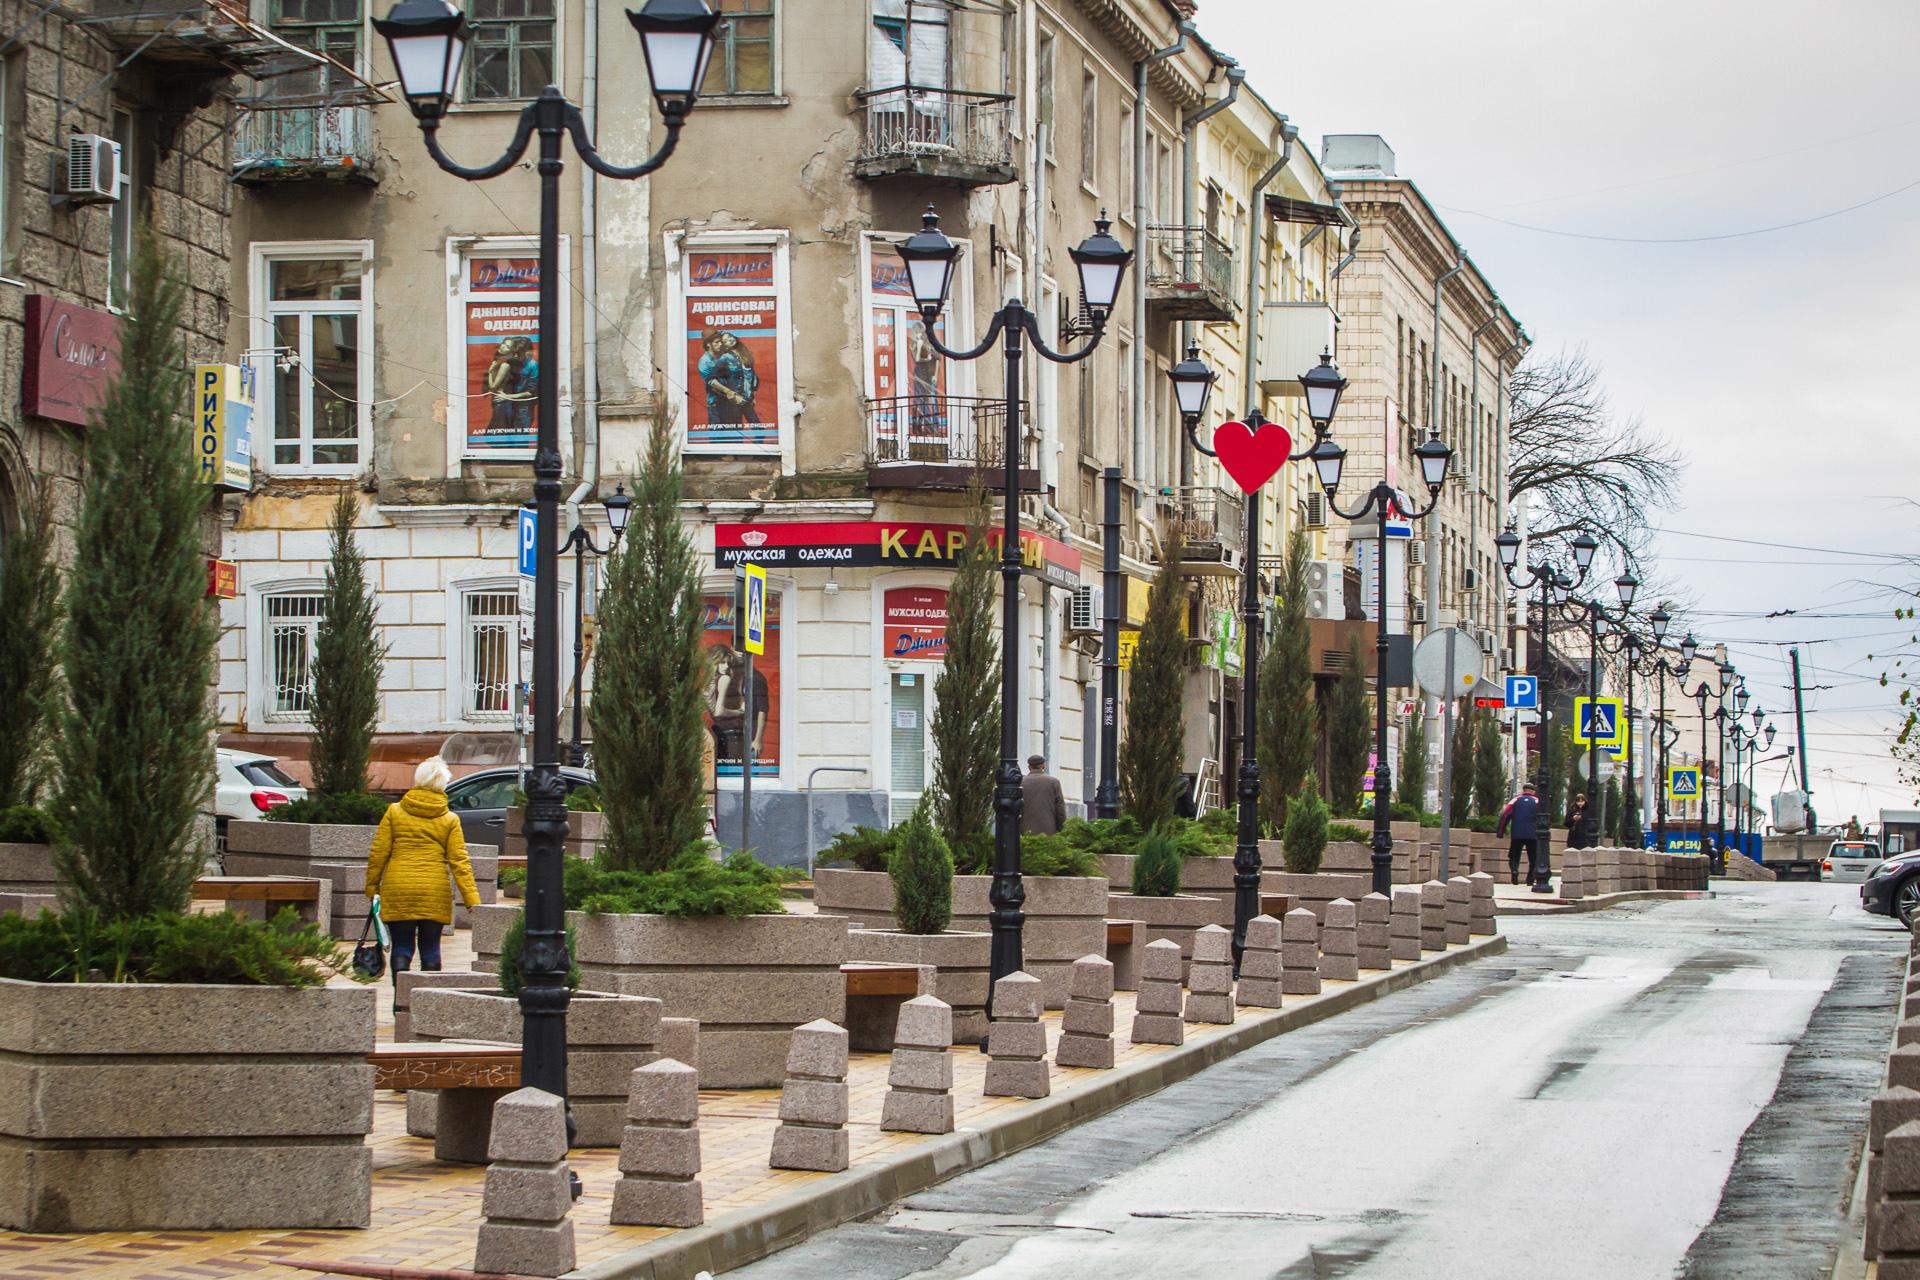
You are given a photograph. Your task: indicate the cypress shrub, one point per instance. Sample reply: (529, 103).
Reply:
(347, 661)
(922, 870)
(966, 713)
(1348, 735)
(1156, 869)
(1152, 754)
(1306, 833)
(1288, 724)
(29, 627)
(1489, 768)
(134, 750)
(650, 678)
(1412, 783)
(1465, 734)
(515, 941)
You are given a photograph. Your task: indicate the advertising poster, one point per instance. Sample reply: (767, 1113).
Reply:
(727, 692)
(914, 620)
(909, 376)
(503, 352)
(733, 350)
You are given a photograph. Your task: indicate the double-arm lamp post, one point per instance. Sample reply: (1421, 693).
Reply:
(1724, 670)
(1101, 262)
(1629, 646)
(1193, 381)
(428, 40)
(1382, 501)
(619, 506)
(1551, 580)
(1599, 622)
(1659, 670)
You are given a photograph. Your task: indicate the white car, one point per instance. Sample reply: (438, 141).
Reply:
(1851, 861)
(247, 784)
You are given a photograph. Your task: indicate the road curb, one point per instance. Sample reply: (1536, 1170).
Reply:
(749, 1234)
(1576, 906)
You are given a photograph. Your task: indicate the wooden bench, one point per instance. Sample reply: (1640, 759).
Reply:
(1126, 940)
(262, 896)
(875, 992)
(468, 1077)
(1276, 904)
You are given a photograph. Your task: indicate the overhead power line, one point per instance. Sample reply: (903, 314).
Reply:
(1724, 235)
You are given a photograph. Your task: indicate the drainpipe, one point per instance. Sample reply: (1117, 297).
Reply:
(1353, 251)
(1473, 430)
(1189, 196)
(1257, 252)
(590, 271)
(1433, 424)
(1139, 371)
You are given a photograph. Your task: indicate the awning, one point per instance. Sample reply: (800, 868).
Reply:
(1287, 209)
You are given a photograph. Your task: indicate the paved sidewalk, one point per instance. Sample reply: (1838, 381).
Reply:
(426, 1214)
(1519, 900)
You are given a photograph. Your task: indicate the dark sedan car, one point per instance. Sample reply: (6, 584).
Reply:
(482, 799)
(1894, 889)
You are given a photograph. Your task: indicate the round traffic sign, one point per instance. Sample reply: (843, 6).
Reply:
(1447, 663)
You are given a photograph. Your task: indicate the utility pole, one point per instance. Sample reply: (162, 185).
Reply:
(1800, 732)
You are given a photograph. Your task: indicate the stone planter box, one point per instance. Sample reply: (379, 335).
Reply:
(1315, 891)
(585, 830)
(607, 1037)
(961, 962)
(1210, 878)
(748, 981)
(1351, 857)
(1066, 916)
(28, 881)
(1176, 919)
(490, 925)
(326, 851)
(135, 1107)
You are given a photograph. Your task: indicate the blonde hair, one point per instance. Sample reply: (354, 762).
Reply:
(433, 773)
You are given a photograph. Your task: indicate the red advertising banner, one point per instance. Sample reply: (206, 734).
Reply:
(915, 622)
(72, 353)
(727, 692)
(503, 354)
(880, 543)
(733, 350)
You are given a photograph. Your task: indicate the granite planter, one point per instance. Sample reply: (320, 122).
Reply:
(961, 962)
(748, 981)
(28, 881)
(1351, 857)
(490, 924)
(607, 1037)
(585, 829)
(1176, 919)
(1316, 890)
(1066, 916)
(327, 851)
(143, 1107)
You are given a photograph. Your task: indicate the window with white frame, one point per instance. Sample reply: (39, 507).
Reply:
(312, 307)
(513, 50)
(292, 624)
(489, 642)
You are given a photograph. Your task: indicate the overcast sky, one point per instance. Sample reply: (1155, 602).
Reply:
(1783, 364)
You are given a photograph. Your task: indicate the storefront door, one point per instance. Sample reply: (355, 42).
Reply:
(909, 702)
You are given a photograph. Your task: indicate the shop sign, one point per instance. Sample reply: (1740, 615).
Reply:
(915, 622)
(223, 426)
(870, 544)
(72, 354)
(223, 580)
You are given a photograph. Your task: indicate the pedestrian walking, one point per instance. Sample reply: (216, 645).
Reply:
(1577, 823)
(417, 844)
(1520, 822)
(1043, 808)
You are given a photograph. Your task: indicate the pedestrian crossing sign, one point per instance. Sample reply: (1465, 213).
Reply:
(1598, 722)
(1683, 782)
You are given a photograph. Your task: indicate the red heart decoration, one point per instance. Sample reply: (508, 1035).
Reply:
(1251, 457)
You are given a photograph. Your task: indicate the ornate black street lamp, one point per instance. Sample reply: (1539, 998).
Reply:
(1193, 383)
(1101, 262)
(1598, 620)
(619, 506)
(1700, 695)
(1658, 669)
(1550, 579)
(1629, 646)
(428, 40)
(1383, 500)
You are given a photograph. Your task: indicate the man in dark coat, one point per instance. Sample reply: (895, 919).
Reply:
(1043, 809)
(1522, 815)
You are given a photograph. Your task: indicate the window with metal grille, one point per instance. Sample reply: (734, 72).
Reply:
(512, 49)
(293, 620)
(492, 642)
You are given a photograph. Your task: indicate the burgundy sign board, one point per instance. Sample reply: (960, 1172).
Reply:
(72, 352)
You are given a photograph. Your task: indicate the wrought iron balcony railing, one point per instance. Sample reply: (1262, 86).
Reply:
(938, 430)
(1191, 269)
(1210, 522)
(951, 134)
(304, 142)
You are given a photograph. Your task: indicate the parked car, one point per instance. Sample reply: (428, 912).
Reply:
(482, 799)
(246, 786)
(1893, 889)
(1851, 861)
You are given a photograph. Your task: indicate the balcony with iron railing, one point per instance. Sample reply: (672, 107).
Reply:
(1211, 524)
(944, 135)
(1189, 274)
(273, 145)
(942, 442)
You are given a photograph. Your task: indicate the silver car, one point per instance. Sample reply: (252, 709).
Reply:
(1851, 861)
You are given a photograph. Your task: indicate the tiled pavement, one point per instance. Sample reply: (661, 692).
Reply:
(426, 1214)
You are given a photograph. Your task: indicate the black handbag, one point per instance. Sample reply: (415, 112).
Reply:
(369, 957)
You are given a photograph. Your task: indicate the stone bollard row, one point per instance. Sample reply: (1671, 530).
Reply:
(812, 1133)
(1260, 966)
(1340, 942)
(1300, 953)
(1016, 1041)
(527, 1194)
(1086, 1028)
(1403, 933)
(920, 1073)
(1210, 977)
(1459, 914)
(660, 1153)
(1157, 1005)
(1433, 916)
(1892, 1108)
(1576, 874)
(1480, 921)
(1376, 942)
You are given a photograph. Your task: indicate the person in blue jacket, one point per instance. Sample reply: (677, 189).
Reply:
(1522, 815)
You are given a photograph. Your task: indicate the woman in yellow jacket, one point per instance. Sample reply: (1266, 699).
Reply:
(417, 844)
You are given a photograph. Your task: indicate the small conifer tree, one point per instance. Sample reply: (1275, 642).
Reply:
(922, 870)
(1289, 714)
(134, 750)
(1465, 734)
(1156, 868)
(965, 727)
(1306, 834)
(347, 661)
(1489, 768)
(650, 677)
(29, 631)
(1412, 783)
(1153, 752)
(1347, 732)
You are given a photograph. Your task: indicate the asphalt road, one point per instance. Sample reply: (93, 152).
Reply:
(1672, 1088)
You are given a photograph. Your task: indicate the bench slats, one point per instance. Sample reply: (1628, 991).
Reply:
(881, 979)
(445, 1065)
(255, 889)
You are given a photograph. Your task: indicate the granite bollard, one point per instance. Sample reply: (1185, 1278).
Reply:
(660, 1153)
(1210, 977)
(527, 1193)
(812, 1133)
(1157, 1005)
(1086, 1029)
(1375, 937)
(920, 1073)
(1300, 953)
(1340, 942)
(1016, 1040)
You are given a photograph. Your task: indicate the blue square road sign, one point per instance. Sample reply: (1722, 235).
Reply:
(1523, 691)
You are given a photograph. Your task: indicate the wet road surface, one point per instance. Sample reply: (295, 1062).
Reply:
(1672, 1088)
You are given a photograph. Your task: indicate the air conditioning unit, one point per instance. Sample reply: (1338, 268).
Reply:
(1416, 552)
(1419, 609)
(1316, 509)
(1469, 579)
(1322, 574)
(93, 169)
(1488, 642)
(1083, 610)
